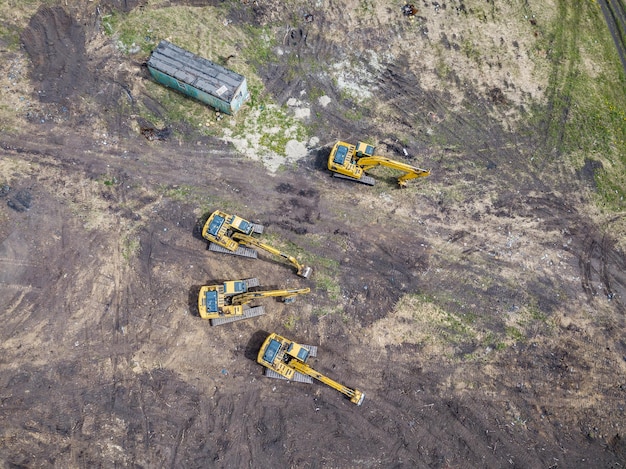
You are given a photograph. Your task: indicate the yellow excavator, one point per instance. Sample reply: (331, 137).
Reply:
(228, 302)
(283, 358)
(351, 162)
(230, 234)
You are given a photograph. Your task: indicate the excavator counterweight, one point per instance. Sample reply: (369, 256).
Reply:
(229, 301)
(286, 359)
(351, 162)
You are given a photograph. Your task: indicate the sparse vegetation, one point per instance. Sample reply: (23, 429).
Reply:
(329, 285)
(290, 322)
(585, 119)
(130, 248)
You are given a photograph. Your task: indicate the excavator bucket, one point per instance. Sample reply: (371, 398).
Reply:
(304, 271)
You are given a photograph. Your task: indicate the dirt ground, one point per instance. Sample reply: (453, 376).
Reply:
(105, 362)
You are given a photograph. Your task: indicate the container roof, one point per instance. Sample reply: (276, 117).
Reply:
(194, 70)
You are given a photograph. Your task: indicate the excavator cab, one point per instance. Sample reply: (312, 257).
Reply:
(363, 149)
(239, 224)
(298, 351)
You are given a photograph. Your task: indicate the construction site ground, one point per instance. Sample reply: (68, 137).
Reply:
(480, 309)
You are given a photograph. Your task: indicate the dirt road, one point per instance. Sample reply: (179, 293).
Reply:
(482, 311)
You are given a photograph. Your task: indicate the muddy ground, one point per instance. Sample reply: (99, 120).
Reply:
(105, 362)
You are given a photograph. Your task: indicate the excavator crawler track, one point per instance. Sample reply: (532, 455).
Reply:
(241, 251)
(312, 350)
(256, 228)
(251, 283)
(247, 314)
(368, 180)
(297, 377)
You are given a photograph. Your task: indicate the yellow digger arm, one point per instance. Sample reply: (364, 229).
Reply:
(355, 396)
(412, 172)
(301, 270)
(245, 298)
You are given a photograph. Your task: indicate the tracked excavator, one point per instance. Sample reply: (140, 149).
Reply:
(228, 302)
(231, 234)
(351, 162)
(283, 358)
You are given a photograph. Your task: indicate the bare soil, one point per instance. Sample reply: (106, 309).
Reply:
(105, 362)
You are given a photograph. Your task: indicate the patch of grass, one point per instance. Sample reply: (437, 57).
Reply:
(181, 193)
(191, 28)
(315, 93)
(471, 51)
(585, 115)
(259, 45)
(290, 322)
(514, 333)
(179, 108)
(258, 98)
(329, 285)
(536, 314)
(19, 12)
(366, 7)
(455, 325)
(130, 247)
(108, 180)
(268, 128)
(10, 36)
(325, 311)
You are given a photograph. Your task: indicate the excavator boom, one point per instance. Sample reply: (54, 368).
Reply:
(411, 172)
(301, 270)
(286, 294)
(355, 396)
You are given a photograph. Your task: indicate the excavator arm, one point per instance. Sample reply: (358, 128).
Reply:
(288, 295)
(355, 396)
(411, 172)
(301, 270)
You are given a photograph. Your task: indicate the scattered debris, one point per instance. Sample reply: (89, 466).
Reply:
(409, 10)
(152, 133)
(294, 37)
(224, 60)
(497, 96)
(21, 201)
(308, 18)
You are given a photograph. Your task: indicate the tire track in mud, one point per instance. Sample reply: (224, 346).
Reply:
(615, 17)
(562, 76)
(484, 140)
(56, 44)
(602, 265)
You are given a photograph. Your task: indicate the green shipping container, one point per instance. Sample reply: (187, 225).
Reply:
(198, 77)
